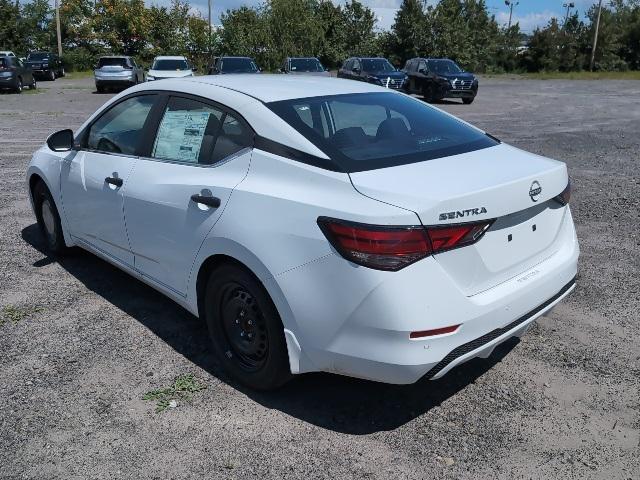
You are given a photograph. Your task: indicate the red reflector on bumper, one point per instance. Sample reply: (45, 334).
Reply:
(436, 331)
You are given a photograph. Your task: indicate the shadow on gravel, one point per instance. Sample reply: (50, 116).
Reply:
(329, 401)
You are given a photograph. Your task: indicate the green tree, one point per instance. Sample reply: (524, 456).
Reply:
(36, 25)
(409, 30)
(122, 25)
(10, 35)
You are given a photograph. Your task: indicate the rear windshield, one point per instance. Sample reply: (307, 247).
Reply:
(38, 56)
(5, 62)
(366, 131)
(238, 65)
(167, 64)
(306, 65)
(112, 62)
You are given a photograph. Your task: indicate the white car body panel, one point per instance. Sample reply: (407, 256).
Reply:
(337, 316)
(165, 250)
(94, 209)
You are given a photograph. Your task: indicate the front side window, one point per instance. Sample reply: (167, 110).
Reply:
(194, 132)
(169, 64)
(376, 130)
(119, 130)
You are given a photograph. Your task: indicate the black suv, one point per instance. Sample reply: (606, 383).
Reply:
(233, 65)
(438, 78)
(45, 65)
(14, 74)
(373, 70)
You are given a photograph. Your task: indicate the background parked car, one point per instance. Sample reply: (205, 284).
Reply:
(372, 70)
(45, 65)
(14, 75)
(117, 72)
(438, 78)
(304, 66)
(233, 65)
(175, 66)
(7, 53)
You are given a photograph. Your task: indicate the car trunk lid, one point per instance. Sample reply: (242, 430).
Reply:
(514, 187)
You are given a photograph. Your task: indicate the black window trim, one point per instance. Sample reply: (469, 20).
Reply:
(80, 140)
(334, 163)
(156, 118)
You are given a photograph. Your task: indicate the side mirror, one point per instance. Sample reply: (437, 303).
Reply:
(423, 71)
(61, 141)
(357, 70)
(194, 69)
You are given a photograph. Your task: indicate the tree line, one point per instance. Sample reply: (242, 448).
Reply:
(463, 30)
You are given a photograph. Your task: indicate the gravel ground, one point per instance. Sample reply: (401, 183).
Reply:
(81, 343)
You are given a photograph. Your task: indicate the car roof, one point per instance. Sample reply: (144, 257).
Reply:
(114, 56)
(273, 88)
(233, 56)
(170, 57)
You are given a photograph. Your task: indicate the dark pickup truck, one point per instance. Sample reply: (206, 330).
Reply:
(438, 78)
(45, 65)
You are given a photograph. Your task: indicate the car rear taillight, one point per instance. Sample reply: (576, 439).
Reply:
(565, 196)
(392, 248)
(448, 237)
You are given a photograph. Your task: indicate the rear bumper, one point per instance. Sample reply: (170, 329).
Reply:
(358, 321)
(8, 82)
(115, 83)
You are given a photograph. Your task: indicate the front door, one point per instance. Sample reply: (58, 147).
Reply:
(94, 180)
(179, 189)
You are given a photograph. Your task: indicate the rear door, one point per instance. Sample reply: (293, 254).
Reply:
(94, 180)
(196, 156)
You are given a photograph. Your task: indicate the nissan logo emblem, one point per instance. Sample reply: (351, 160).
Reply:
(535, 190)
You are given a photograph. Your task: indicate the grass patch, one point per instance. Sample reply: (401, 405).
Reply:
(183, 388)
(629, 75)
(15, 314)
(81, 74)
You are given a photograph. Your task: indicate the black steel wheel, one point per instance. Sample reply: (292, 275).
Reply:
(468, 100)
(18, 88)
(245, 328)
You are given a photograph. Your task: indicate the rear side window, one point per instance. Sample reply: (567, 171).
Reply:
(377, 130)
(119, 130)
(194, 132)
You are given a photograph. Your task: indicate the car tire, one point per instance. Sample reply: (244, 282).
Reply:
(18, 88)
(48, 218)
(62, 72)
(52, 75)
(245, 328)
(33, 85)
(468, 101)
(427, 94)
(99, 88)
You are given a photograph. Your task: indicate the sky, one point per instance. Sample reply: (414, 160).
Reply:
(529, 13)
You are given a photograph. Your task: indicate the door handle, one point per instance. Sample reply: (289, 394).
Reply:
(213, 202)
(114, 181)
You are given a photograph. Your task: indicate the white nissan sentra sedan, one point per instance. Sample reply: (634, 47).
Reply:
(315, 224)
